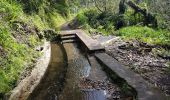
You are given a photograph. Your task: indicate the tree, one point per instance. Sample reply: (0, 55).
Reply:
(122, 7)
(148, 17)
(107, 5)
(161, 9)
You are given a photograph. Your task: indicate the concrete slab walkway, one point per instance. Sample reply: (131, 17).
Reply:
(144, 90)
(91, 44)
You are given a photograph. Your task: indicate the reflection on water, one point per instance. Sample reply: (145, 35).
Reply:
(78, 67)
(52, 83)
(63, 75)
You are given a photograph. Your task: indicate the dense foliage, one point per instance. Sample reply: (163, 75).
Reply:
(102, 18)
(22, 23)
(161, 9)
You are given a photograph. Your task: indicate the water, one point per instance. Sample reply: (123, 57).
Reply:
(51, 85)
(63, 75)
(78, 67)
(70, 77)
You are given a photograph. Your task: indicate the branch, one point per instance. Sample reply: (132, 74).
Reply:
(137, 8)
(96, 5)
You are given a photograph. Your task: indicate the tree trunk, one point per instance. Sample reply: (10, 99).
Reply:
(149, 18)
(122, 7)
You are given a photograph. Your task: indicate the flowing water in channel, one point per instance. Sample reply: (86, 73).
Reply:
(70, 77)
(78, 67)
(63, 75)
(52, 82)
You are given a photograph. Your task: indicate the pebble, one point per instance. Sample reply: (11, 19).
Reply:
(112, 91)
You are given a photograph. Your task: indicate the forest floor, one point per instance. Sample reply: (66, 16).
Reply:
(140, 57)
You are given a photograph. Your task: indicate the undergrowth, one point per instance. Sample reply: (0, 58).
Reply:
(93, 20)
(146, 34)
(20, 32)
(108, 23)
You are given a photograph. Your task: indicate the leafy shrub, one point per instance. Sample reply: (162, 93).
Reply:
(81, 19)
(92, 16)
(31, 5)
(93, 19)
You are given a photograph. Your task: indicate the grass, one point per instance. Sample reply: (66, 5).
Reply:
(10, 11)
(13, 57)
(12, 62)
(56, 20)
(38, 22)
(15, 54)
(146, 34)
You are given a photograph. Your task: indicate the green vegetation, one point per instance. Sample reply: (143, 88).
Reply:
(22, 26)
(13, 59)
(15, 50)
(146, 34)
(92, 19)
(125, 22)
(82, 19)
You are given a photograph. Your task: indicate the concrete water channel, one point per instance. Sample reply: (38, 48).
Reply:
(82, 71)
(67, 72)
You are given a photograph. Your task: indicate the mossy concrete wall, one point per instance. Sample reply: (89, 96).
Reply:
(27, 85)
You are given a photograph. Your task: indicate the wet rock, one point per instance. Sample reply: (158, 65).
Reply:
(112, 91)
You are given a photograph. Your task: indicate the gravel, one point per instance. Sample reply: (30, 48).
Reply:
(111, 91)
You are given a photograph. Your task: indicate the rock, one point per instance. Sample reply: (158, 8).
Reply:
(39, 48)
(122, 46)
(109, 88)
(167, 57)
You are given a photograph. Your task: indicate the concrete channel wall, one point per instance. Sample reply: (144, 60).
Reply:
(144, 90)
(27, 85)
